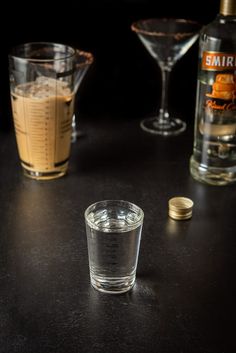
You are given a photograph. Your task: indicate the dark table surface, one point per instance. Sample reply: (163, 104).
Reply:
(184, 297)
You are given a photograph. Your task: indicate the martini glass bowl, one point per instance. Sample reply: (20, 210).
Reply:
(166, 40)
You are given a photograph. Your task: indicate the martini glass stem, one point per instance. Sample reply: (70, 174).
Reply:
(163, 112)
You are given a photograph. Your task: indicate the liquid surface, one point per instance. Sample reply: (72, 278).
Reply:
(109, 219)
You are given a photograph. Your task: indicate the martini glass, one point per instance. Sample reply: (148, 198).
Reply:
(167, 40)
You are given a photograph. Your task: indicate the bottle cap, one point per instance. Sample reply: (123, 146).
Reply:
(228, 7)
(180, 208)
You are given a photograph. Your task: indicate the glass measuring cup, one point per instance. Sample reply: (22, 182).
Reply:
(44, 78)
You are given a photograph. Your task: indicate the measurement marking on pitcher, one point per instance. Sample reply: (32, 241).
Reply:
(43, 136)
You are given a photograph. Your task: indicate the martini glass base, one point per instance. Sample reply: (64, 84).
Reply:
(169, 127)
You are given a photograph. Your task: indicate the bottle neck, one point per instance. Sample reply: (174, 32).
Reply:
(228, 7)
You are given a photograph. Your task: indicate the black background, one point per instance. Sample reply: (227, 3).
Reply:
(124, 79)
(184, 298)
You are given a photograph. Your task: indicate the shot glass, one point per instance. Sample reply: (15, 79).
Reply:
(113, 230)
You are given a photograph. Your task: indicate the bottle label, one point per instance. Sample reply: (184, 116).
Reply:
(217, 61)
(221, 92)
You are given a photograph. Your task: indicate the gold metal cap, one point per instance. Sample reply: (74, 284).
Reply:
(180, 208)
(228, 7)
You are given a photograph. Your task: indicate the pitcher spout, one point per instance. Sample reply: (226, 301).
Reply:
(82, 63)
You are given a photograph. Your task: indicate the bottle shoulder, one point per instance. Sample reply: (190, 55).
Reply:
(222, 27)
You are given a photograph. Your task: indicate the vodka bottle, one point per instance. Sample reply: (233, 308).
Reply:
(214, 153)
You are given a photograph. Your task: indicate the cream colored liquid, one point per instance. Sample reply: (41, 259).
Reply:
(43, 126)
